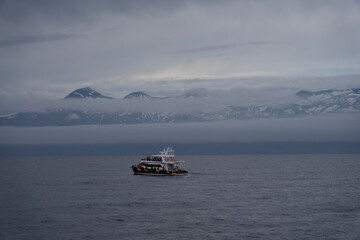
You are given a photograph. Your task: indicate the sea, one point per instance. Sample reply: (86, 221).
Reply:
(312, 196)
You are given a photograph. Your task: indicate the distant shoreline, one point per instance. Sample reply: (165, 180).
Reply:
(223, 148)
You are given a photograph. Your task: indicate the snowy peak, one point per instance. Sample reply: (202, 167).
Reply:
(137, 96)
(347, 100)
(193, 94)
(196, 93)
(306, 94)
(85, 93)
(329, 93)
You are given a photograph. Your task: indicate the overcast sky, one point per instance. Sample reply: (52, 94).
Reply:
(49, 48)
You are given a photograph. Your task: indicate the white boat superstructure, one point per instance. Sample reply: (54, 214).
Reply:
(160, 164)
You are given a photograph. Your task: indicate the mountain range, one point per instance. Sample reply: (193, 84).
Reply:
(89, 93)
(303, 103)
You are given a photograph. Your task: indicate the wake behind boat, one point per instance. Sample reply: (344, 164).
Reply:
(162, 164)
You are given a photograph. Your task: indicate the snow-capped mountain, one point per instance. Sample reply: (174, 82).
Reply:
(302, 103)
(138, 96)
(307, 103)
(330, 100)
(195, 93)
(85, 93)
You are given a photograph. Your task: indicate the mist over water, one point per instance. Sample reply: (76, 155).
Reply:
(223, 197)
(311, 129)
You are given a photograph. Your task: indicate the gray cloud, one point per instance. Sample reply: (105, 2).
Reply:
(37, 38)
(22, 11)
(127, 45)
(109, 29)
(208, 48)
(219, 47)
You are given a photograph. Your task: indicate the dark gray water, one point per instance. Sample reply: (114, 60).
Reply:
(224, 197)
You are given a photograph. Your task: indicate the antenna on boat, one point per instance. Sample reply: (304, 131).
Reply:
(168, 151)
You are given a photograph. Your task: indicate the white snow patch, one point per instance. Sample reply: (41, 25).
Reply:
(79, 94)
(337, 93)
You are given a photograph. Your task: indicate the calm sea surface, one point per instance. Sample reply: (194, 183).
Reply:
(223, 197)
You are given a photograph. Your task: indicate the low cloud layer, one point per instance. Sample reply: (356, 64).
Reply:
(320, 129)
(27, 39)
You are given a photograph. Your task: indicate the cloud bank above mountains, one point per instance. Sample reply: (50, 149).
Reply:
(119, 46)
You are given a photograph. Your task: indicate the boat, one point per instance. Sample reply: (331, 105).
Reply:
(163, 164)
